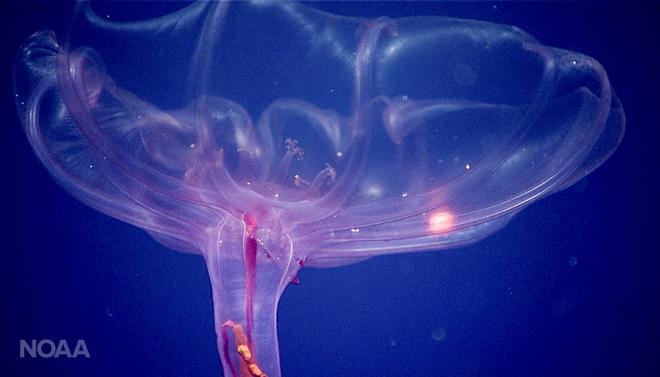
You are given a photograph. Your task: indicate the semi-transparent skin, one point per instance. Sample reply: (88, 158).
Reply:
(267, 136)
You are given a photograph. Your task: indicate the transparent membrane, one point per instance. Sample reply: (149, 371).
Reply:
(267, 136)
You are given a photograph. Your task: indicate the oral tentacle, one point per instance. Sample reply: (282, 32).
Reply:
(325, 176)
(293, 150)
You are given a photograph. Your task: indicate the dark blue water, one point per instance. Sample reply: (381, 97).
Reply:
(569, 288)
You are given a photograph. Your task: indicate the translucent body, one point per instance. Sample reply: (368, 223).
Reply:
(266, 136)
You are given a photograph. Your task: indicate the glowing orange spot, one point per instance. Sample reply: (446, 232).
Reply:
(440, 222)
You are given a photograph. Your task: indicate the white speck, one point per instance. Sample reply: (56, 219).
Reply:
(249, 183)
(355, 230)
(468, 167)
(574, 62)
(192, 145)
(22, 103)
(404, 195)
(438, 334)
(332, 90)
(277, 195)
(374, 191)
(107, 16)
(91, 166)
(340, 155)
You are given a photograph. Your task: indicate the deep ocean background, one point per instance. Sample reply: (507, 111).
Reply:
(569, 288)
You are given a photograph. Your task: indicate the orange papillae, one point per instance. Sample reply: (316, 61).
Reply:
(249, 367)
